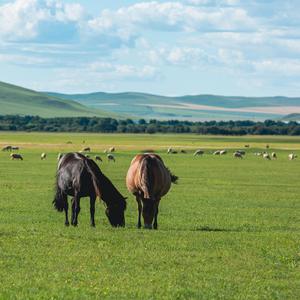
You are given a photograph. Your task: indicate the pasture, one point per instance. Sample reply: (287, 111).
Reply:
(230, 229)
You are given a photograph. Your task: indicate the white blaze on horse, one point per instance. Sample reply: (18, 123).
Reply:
(14, 156)
(148, 179)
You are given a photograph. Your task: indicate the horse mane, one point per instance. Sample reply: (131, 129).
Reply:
(104, 188)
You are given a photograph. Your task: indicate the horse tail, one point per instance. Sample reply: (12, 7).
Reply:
(174, 178)
(146, 177)
(60, 199)
(92, 168)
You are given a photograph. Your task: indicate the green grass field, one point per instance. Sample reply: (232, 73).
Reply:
(229, 230)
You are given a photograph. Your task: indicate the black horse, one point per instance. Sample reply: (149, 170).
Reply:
(78, 176)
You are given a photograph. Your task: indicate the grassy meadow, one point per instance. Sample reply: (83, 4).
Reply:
(230, 229)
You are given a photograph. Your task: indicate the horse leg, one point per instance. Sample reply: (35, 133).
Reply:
(92, 210)
(66, 207)
(76, 210)
(138, 200)
(73, 211)
(155, 215)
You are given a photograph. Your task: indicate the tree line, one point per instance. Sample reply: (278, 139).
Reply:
(110, 125)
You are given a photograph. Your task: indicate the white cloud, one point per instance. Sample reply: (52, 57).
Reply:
(122, 71)
(283, 67)
(24, 60)
(171, 16)
(181, 56)
(214, 2)
(21, 20)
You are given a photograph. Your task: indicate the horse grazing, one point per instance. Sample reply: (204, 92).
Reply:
(149, 180)
(78, 176)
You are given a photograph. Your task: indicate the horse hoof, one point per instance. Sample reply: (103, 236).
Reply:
(67, 224)
(93, 225)
(138, 226)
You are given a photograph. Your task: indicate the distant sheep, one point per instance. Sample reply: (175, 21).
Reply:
(86, 149)
(198, 152)
(43, 156)
(15, 148)
(241, 152)
(238, 155)
(14, 156)
(266, 156)
(274, 156)
(110, 157)
(170, 150)
(112, 149)
(7, 148)
(292, 156)
(222, 152)
(217, 152)
(98, 158)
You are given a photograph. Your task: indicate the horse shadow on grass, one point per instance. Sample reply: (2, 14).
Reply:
(217, 229)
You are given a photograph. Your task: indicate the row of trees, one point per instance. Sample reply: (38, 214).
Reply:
(109, 125)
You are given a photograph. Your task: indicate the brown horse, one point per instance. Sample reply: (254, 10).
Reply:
(149, 180)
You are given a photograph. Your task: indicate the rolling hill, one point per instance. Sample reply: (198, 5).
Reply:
(292, 117)
(198, 107)
(22, 101)
(16, 100)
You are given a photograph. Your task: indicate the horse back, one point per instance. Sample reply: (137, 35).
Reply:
(148, 176)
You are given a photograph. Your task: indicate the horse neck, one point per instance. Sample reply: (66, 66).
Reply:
(109, 193)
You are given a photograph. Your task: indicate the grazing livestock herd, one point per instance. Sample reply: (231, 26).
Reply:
(148, 179)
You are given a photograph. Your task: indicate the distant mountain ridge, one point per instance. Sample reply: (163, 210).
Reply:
(15, 100)
(21, 101)
(194, 107)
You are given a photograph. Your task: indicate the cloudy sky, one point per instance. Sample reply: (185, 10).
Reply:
(228, 47)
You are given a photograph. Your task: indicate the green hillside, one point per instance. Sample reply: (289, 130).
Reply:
(161, 107)
(21, 101)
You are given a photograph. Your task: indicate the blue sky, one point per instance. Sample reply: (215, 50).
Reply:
(226, 47)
